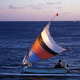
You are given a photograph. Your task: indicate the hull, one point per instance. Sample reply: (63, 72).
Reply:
(42, 75)
(45, 71)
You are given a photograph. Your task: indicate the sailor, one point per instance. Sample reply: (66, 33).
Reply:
(67, 67)
(59, 65)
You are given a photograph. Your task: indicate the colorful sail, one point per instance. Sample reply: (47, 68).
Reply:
(43, 48)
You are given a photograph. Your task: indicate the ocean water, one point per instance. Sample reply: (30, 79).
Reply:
(17, 37)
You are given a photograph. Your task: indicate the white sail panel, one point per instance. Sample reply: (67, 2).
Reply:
(48, 40)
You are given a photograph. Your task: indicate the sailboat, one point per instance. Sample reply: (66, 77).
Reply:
(43, 48)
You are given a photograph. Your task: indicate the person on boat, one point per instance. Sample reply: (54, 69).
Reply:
(59, 65)
(67, 67)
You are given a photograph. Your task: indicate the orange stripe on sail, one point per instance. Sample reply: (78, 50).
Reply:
(39, 51)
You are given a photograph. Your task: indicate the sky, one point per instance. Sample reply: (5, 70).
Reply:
(39, 10)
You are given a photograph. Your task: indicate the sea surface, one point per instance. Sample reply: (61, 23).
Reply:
(17, 37)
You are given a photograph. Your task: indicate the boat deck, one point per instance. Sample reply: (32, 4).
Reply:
(45, 70)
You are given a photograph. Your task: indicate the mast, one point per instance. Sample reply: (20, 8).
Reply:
(29, 64)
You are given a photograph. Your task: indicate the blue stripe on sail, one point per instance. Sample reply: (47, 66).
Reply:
(33, 57)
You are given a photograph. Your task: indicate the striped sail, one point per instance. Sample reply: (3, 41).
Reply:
(43, 48)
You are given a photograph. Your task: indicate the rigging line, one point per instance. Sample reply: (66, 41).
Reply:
(53, 17)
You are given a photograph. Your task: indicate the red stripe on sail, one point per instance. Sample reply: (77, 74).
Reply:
(39, 51)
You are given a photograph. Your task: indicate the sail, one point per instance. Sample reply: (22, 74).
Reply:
(43, 48)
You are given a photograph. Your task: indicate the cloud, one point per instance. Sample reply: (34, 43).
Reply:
(59, 7)
(15, 7)
(54, 3)
(38, 7)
